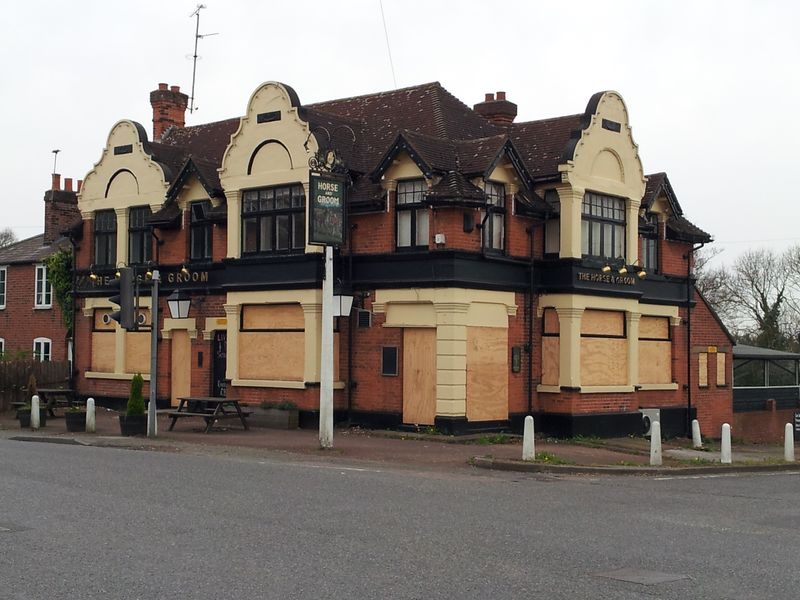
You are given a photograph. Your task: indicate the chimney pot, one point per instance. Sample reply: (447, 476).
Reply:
(175, 88)
(80, 185)
(489, 97)
(501, 95)
(162, 87)
(68, 184)
(169, 109)
(56, 182)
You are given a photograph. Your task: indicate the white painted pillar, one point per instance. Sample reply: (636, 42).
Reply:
(788, 443)
(725, 453)
(326, 356)
(697, 440)
(35, 412)
(91, 422)
(528, 447)
(655, 444)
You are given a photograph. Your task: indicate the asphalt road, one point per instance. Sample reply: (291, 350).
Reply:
(90, 523)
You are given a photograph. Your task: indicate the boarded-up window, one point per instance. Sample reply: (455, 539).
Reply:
(654, 328)
(655, 350)
(272, 317)
(720, 368)
(550, 322)
(603, 323)
(702, 369)
(102, 321)
(604, 349)
(272, 342)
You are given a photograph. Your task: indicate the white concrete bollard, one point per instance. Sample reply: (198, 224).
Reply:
(91, 424)
(528, 446)
(725, 449)
(788, 443)
(697, 441)
(655, 444)
(35, 412)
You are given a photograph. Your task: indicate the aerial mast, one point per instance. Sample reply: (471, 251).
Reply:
(197, 37)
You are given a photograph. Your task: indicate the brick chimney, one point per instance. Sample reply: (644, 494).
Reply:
(497, 110)
(169, 109)
(60, 208)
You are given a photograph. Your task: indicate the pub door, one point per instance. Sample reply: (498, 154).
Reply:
(218, 364)
(419, 376)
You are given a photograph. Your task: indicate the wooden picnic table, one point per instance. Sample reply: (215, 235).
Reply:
(53, 398)
(209, 408)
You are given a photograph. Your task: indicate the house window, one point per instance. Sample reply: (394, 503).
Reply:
(105, 238)
(140, 246)
(494, 223)
(552, 227)
(3, 276)
(42, 349)
(389, 361)
(200, 229)
(603, 226)
(412, 214)
(650, 254)
(44, 291)
(2, 347)
(274, 220)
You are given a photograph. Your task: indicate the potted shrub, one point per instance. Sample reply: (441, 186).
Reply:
(134, 421)
(75, 418)
(276, 415)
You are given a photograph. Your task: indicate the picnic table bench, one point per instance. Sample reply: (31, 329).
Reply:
(52, 398)
(209, 408)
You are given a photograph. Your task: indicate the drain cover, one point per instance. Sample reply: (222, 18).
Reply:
(642, 576)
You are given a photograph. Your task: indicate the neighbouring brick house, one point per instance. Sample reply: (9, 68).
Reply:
(499, 268)
(30, 318)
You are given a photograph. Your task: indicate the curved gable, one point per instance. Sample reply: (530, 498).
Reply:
(125, 175)
(604, 157)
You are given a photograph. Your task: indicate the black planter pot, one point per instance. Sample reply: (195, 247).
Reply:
(24, 416)
(76, 421)
(133, 425)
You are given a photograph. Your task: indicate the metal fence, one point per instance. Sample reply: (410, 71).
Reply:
(14, 375)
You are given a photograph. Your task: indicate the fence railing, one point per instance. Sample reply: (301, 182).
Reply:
(14, 376)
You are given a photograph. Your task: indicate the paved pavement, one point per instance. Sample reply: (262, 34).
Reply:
(436, 452)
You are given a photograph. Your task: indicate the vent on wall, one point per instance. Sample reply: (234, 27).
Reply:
(364, 318)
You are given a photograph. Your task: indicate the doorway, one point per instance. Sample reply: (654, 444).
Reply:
(419, 376)
(219, 354)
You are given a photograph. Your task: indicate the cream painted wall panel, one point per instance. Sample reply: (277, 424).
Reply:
(505, 172)
(273, 356)
(192, 191)
(402, 168)
(655, 361)
(550, 359)
(410, 315)
(487, 373)
(272, 156)
(604, 361)
(607, 165)
(122, 183)
(137, 352)
(103, 351)
(483, 314)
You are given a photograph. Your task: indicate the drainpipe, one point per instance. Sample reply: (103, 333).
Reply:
(529, 231)
(353, 228)
(74, 295)
(688, 258)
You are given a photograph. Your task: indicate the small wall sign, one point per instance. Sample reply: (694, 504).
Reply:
(326, 218)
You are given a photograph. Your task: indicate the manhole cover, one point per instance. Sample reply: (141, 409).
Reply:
(641, 576)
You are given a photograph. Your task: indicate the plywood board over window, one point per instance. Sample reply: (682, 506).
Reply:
(272, 317)
(137, 352)
(702, 368)
(605, 323)
(721, 368)
(604, 361)
(103, 351)
(550, 360)
(487, 374)
(655, 350)
(550, 322)
(272, 355)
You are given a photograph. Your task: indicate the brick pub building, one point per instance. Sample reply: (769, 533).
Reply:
(499, 268)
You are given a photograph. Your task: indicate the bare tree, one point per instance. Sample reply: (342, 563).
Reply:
(7, 237)
(713, 283)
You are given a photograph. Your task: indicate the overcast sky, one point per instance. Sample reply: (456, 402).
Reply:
(712, 88)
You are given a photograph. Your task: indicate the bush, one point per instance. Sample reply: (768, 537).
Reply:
(136, 400)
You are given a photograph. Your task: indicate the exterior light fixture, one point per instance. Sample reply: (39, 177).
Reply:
(639, 269)
(622, 270)
(92, 275)
(606, 268)
(184, 270)
(179, 302)
(342, 305)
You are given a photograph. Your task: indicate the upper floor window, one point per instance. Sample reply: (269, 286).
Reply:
(650, 246)
(494, 223)
(43, 349)
(140, 245)
(105, 238)
(200, 230)
(603, 226)
(552, 226)
(274, 220)
(44, 291)
(3, 276)
(412, 214)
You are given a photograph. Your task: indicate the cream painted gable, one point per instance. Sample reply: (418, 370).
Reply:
(123, 179)
(192, 191)
(402, 167)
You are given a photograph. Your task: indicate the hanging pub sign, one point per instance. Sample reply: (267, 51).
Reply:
(326, 215)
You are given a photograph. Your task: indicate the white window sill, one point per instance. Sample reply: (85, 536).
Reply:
(114, 376)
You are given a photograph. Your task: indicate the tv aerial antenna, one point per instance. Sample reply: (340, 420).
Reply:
(197, 37)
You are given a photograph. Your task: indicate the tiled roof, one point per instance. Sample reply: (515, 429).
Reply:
(454, 187)
(30, 250)
(171, 158)
(476, 156)
(680, 228)
(541, 144)
(207, 141)
(530, 203)
(366, 196)
(654, 184)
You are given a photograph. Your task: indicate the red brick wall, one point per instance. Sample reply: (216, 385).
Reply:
(60, 212)
(21, 323)
(761, 426)
(450, 222)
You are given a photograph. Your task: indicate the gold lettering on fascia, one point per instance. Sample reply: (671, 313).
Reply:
(607, 278)
(191, 277)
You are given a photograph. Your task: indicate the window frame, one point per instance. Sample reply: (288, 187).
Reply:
(142, 233)
(108, 237)
(414, 208)
(394, 371)
(3, 286)
(2, 347)
(271, 216)
(201, 226)
(40, 356)
(495, 207)
(43, 289)
(607, 225)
